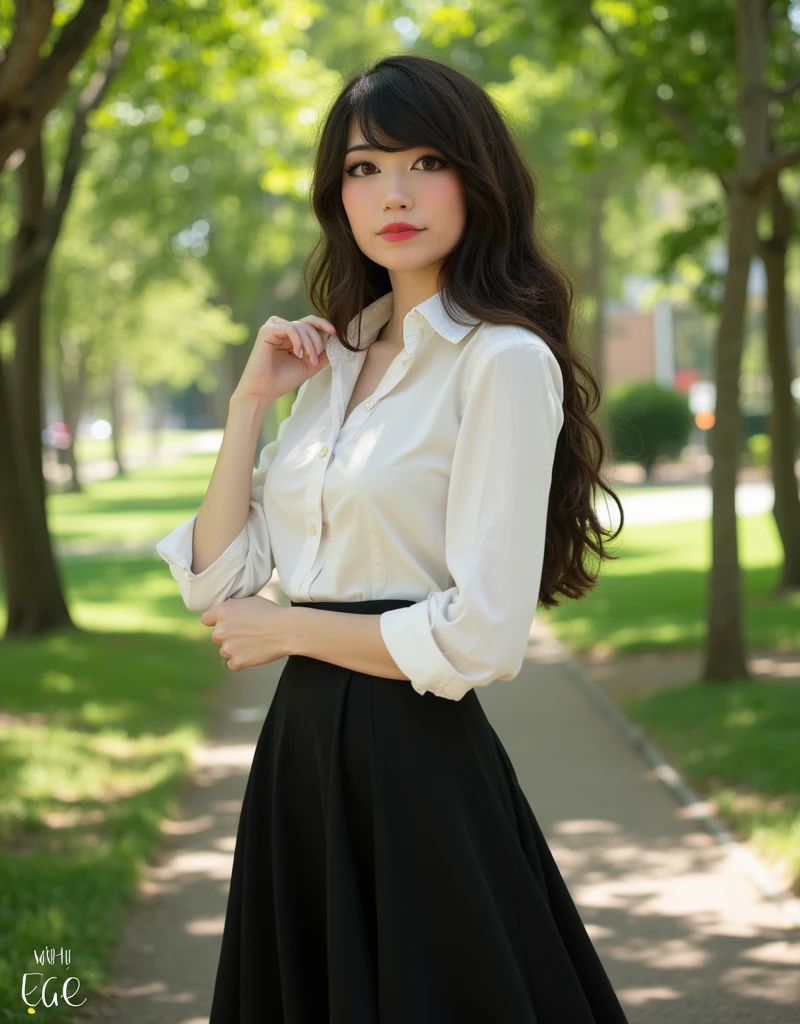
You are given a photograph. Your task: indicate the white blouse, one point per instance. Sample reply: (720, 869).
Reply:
(434, 490)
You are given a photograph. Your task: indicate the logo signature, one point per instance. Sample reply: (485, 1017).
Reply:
(34, 980)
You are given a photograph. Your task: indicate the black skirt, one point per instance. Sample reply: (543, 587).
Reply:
(388, 868)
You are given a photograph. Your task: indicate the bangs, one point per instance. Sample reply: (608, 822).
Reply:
(393, 115)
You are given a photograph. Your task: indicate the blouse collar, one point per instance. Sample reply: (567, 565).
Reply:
(377, 313)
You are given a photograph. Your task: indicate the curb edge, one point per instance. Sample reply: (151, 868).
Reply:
(756, 870)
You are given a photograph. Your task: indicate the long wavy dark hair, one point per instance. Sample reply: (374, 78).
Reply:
(497, 272)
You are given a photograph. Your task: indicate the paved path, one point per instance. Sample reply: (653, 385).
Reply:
(753, 497)
(683, 932)
(169, 450)
(693, 502)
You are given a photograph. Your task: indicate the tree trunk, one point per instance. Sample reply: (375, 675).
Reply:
(157, 394)
(34, 592)
(115, 400)
(723, 655)
(33, 587)
(25, 370)
(597, 271)
(786, 509)
(71, 392)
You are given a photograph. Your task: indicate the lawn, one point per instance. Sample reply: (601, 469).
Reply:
(653, 596)
(90, 449)
(97, 731)
(739, 743)
(143, 506)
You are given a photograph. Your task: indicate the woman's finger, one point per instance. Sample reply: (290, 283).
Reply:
(303, 336)
(320, 322)
(312, 343)
(293, 334)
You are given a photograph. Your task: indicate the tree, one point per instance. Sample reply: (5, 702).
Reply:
(103, 326)
(773, 249)
(695, 92)
(30, 85)
(756, 168)
(182, 54)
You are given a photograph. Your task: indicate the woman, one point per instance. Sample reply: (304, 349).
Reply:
(432, 484)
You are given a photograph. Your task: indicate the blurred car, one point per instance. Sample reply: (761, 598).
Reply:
(56, 435)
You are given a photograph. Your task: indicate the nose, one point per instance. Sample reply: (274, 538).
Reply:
(396, 193)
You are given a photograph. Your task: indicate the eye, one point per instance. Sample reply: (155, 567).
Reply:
(367, 163)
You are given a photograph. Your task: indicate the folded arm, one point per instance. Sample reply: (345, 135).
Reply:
(245, 564)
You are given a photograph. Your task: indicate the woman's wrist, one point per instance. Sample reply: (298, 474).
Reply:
(290, 635)
(247, 412)
(243, 400)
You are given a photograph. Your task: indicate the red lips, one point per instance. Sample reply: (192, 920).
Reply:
(398, 225)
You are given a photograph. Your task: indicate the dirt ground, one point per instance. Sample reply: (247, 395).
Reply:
(625, 675)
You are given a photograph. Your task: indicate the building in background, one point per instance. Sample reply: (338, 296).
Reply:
(673, 342)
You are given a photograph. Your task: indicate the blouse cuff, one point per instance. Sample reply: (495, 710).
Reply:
(408, 638)
(202, 590)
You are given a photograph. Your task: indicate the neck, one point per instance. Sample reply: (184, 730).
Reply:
(408, 291)
(386, 337)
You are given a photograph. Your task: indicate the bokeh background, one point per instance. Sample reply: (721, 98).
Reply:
(154, 212)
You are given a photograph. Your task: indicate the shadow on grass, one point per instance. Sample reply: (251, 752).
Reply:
(146, 503)
(654, 596)
(739, 744)
(98, 726)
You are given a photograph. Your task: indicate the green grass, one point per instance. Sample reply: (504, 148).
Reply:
(90, 449)
(97, 733)
(653, 597)
(736, 743)
(142, 506)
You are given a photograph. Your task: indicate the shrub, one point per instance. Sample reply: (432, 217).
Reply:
(647, 420)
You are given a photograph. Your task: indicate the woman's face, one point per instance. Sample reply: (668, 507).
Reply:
(404, 186)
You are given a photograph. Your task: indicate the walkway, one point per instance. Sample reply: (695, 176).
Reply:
(684, 933)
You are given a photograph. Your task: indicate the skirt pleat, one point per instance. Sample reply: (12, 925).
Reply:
(389, 869)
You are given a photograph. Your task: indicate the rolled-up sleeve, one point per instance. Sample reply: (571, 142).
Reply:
(245, 566)
(477, 631)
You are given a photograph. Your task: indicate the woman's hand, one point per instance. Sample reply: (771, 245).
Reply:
(250, 631)
(286, 353)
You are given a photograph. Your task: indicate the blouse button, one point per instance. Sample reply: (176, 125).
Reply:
(323, 450)
(312, 528)
(369, 402)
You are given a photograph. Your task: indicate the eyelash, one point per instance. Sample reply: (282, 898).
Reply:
(360, 163)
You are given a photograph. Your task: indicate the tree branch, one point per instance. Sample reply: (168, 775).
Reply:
(771, 168)
(19, 61)
(681, 125)
(93, 94)
(21, 125)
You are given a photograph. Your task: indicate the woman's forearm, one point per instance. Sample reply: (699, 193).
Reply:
(347, 639)
(226, 505)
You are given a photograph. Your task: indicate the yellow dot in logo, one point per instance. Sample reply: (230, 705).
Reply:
(31, 1010)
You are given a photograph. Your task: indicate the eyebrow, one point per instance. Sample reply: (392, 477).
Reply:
(352, 149)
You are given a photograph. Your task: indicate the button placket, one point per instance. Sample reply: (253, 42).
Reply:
(313, 509)
(393, 376)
